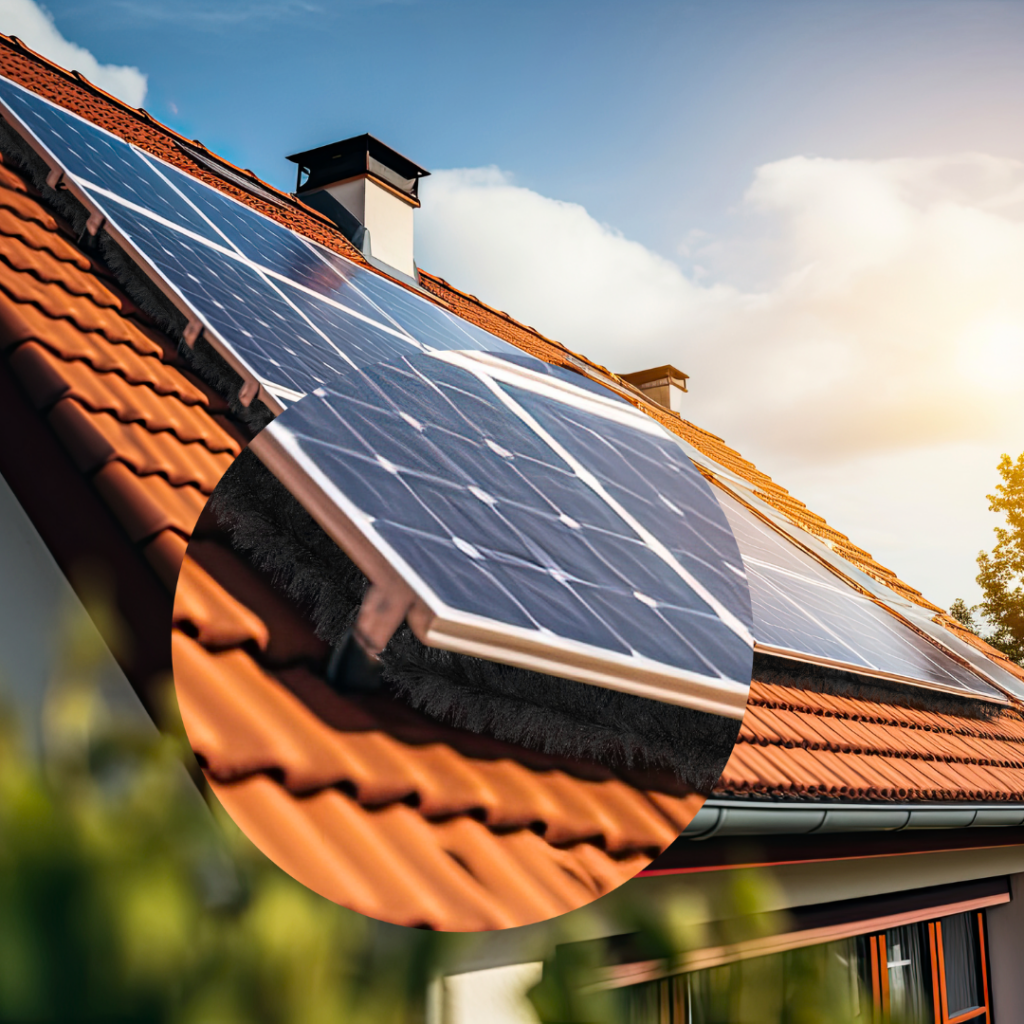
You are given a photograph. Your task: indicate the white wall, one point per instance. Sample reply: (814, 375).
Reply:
(493, 996)
(35, 603)
(388, 219)
(1005, 946)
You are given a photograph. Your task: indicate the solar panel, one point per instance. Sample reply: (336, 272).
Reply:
(281, 308)
(801, 609)
(464, 476)
(920, 617)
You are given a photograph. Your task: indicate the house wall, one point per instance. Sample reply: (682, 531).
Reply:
(706, 897)
(37, 608)
(1005, 944)
(495, 996)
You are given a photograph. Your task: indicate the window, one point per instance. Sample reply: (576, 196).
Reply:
(963, 972)
(928, 972)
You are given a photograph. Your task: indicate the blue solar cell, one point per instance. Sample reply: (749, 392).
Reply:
(499, 525)
(424, 320)
(654, 481)
(361, 341)
(92, 155)
(240, 306)
(800, 606)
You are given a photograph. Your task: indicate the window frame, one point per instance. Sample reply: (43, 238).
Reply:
(879, 972)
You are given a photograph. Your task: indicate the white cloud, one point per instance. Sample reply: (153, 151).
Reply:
(33, 24)
(884, 340)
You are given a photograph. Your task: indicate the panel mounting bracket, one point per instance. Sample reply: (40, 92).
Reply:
(192, 333)
(248, 392)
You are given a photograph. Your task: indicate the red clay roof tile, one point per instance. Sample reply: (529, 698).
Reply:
(47, 377)
(218, 619)
(94, 439)
(33, 236)
(165, 552)
(147, 505)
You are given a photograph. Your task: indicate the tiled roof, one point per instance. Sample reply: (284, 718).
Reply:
(796, 743)
(152, 439)
(490, 838)
(373, 805)
(73, 91)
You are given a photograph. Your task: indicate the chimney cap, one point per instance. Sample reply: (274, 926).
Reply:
(350, 158)
(667, 374)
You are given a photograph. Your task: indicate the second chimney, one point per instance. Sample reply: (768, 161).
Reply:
(370, 191)
(663, 384)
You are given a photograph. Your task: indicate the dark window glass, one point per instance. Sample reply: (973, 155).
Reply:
(908, 960)
(960, 954)
(823, 983)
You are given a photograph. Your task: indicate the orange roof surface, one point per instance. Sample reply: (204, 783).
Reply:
(152, 440)
(795, 743)
(371, 804)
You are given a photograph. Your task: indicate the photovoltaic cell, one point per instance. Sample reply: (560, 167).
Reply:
(657, 484)
(257, 286)
(801, 607)
(89, 153)
(238, 303)
(441, 469)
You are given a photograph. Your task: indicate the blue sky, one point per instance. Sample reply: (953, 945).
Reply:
(816, 209)
(651, 115)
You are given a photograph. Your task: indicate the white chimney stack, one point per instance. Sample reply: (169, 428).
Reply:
(370, 191)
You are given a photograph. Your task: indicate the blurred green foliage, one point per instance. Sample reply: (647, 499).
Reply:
(815, 985)
(120, 899)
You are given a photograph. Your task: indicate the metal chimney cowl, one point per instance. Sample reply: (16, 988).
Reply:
(370, 191)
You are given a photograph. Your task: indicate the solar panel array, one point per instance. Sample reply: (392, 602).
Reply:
(294, 314)
(920, 618)
(803, 609)
(519, 504)
(286, 310)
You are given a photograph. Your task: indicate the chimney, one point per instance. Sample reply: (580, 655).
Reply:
(664, 385)
(370, 192)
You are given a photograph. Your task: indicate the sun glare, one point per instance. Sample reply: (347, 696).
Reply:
(991, 354)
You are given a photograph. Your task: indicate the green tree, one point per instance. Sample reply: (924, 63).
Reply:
(964, 614)
(1001, 571)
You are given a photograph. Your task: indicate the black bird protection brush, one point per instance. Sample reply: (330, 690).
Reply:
(533, 710)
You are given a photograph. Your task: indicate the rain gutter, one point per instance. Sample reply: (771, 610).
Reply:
(722, 817)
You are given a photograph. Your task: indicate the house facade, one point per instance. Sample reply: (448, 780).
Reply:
(874, 802)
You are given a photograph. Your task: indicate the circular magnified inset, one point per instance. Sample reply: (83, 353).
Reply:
(462, 642)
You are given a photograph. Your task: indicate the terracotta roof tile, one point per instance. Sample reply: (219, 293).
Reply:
(94, 439)
(47, 378)
(242, 720)
(60, 303)
(25, 207)
(147, 505)
(291, 640)
(32, 236)
(43, 265)
(217, 619)
(165, 552)
(800, 743)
